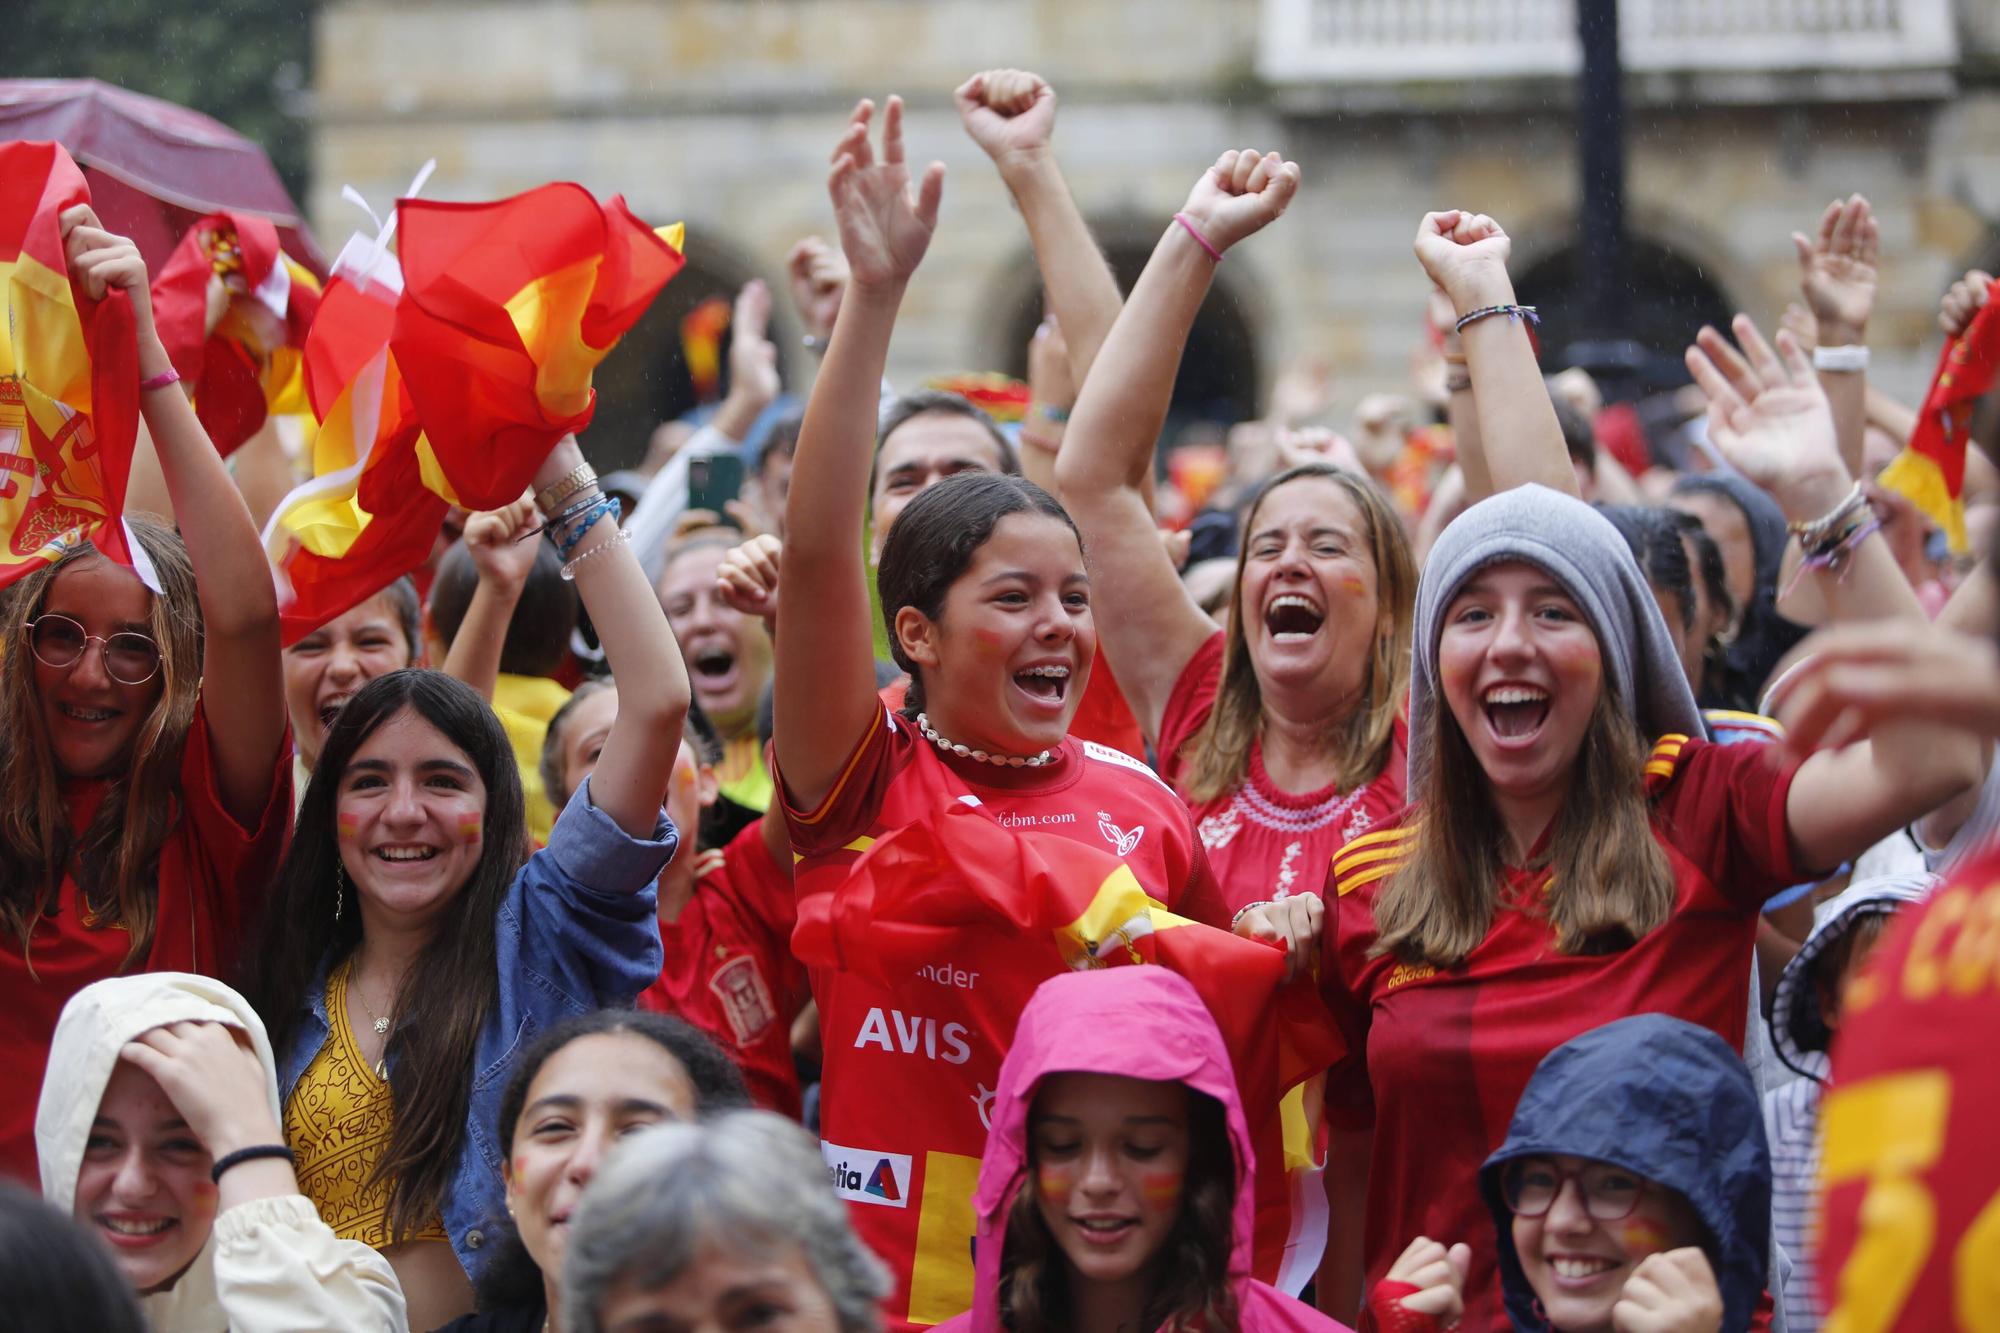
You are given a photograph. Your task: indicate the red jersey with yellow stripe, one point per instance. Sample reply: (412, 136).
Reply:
(1447, 1052)
(1909, 1164)
(910, 1070)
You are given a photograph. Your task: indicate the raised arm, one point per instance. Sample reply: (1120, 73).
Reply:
(240, 671)
(630, 780)
(1837, 279)
(825, 656)
(1518, 440)
(1012, 115)
(1769, 417)
(501, 542)
(1107, 454)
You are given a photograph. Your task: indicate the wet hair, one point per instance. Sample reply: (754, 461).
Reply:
(744, 1183)
(537, 635)
(933, 541)
(511, 1275)
(453, 984)
(1217, 757)
(696, 730)
(1654, 534)
(115, 860)
(924, 402)
(1189, 1288)
(57, 1277)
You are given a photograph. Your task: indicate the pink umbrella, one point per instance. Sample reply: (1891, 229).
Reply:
(154, 167)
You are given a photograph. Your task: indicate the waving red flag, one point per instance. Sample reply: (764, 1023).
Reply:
(508, 309)
(959, 919)
(1931, 469)
(250, 364)
(69, 376)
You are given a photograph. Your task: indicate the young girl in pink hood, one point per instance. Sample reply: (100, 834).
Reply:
(1116, 1187)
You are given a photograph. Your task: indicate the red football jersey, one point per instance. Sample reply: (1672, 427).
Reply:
(910, 1070)
(1264, 843)
(1449, 1052)
(1909, 1166)
(729, 968)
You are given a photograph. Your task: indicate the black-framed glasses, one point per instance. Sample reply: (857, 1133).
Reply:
(1531, 1185)
(130, 658)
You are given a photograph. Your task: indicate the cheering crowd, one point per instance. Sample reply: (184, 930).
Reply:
(1530, 866)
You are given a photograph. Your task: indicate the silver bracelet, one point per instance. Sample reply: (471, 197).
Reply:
(1851, 358)
(569, 569)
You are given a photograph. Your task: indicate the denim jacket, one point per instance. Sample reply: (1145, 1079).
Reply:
(577, 931)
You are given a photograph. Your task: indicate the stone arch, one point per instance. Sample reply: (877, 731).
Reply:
(1223, 372)
(645, 380)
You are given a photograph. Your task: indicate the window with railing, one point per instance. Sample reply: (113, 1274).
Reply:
(1383, 40)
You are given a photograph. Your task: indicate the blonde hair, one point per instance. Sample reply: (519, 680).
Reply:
(1610, 885)
(1217, 757)
(115, 860)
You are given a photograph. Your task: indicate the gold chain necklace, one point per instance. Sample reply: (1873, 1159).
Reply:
(381, 1025)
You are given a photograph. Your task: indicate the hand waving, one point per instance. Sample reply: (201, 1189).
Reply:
(1769, 416)
(1837, 269)
(753, 358)
(1240, 195)
(885, 222)
(1466, 254)
(1008, 112)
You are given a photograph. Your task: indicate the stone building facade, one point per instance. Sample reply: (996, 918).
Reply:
(1744, 119)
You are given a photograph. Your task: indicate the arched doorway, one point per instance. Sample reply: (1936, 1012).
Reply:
(1665, 299)
(645, 380)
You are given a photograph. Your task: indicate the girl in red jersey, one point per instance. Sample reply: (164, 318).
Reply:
(1116, 1189)
(140, 825)
(1283, 731)
(1555, 875)
(987, 603)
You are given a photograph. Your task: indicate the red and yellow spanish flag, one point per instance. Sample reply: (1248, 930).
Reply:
(251, 365)
(69, 376)
(701, 346)
(1029, 905)
(508, 309)
(1931, 469)
(446, 378)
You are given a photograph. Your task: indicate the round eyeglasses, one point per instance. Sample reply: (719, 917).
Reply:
(130, 658)
(1531, 1184)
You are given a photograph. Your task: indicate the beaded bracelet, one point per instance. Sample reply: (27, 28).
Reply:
(570, 566)
(604, 505)
(579, 504)
(1833, 555)
(1526, 312)
(565, 486)
(1811, 532)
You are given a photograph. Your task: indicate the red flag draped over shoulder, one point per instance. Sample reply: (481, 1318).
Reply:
(447, 378)
(1031, 905)
(1931, 470)
(69, 376)
(250, 366)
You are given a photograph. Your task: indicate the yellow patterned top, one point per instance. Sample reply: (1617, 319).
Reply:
(337, 1123)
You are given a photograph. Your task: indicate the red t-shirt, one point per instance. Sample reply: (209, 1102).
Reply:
(213, 876)
(1448, 1053)
(729, 968)
(1264, 843)
(1908, 1158)
(910, 1070)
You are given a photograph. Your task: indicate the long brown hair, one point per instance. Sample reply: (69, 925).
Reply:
(1610, 881)
(1188, 1276)
(452, 987)
(1218, 756)
(116, 859)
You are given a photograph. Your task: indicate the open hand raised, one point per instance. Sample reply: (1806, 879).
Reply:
(885, 222)
(1240, 195)
(1008, 112)
(1768, 415)
(1837, 268)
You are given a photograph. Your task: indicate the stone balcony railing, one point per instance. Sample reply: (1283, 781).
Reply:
(1362, 42)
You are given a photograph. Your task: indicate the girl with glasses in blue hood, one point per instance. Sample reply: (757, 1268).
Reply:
(1577, 850)
(1632, 1195)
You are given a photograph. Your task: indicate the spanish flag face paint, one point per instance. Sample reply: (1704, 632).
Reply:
(1110, 1168)
(470, 829)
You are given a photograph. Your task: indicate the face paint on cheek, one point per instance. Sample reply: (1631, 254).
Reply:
(1161, 1190)
(1641, 1236)
(988, 643)
(349, 825)
(1353, 587)
(683, 777)
(470, 829)
(1056, 1181)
